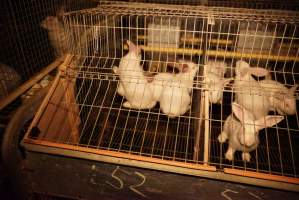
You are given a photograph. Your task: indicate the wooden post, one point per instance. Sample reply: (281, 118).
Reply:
(69, 84)
(207, 125)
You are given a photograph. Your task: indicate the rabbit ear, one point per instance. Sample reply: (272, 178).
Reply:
(185, 67)
(240, 64)
(258, 71)
(133, 47)
(268, 121)
(115, 69)
(238, 111)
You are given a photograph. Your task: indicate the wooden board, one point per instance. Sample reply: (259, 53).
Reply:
(61, 110)
(95, 180)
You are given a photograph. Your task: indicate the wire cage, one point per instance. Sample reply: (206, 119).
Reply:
(84, 115)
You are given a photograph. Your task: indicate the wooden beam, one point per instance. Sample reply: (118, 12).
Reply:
(120, 155)
(259, 175)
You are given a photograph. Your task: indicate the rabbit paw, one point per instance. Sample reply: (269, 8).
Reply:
(222, 137)
(246, 157)
(152, 104)
(115, 69)
(126, 104)
(120, 90)
(229, 155)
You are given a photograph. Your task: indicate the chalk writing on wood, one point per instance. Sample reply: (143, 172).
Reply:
(133, 187)
(255, 196)
(113, 175)
(121, 183)
(224, 193)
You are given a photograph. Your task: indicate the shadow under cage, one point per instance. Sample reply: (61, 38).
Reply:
(84, 113)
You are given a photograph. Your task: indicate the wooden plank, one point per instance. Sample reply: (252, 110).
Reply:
(72, 108)
(43, 105)
(53, 112)
(261, 175)
(28, 84)
(121, 155)
(90, 179)
(53, 123)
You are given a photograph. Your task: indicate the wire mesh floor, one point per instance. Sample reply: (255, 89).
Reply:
(105, 124)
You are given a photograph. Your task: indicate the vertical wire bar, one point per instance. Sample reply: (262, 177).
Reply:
(264, 36)
(137, 79)
(249, 88)
(260, 52)
(101, 106)
(84, 104)
(287, 121)
(107, 116)
(198, 134)
(192, 95)
(235, 49)
(255, 34)
(207, 124)
(251, 52)
(277, 134)
(156, 129)
(222, 76)
(105, 123)
(148, 114)
(208, 39)
(91, 107)
(129, 82)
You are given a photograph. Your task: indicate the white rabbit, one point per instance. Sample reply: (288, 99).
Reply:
(249, 93)
(241, 129)
(59, 37)
(175, 97)
(215, 80)
(215, 86)
(133, 85)
(216, 67)
(160, 81)
(280, 97)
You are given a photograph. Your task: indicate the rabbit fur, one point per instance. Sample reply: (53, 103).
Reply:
(281, 98)
(215, 80)
(173, 90)
(248, 92)
(133, 85)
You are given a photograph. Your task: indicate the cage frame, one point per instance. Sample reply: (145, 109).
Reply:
(202, 170)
